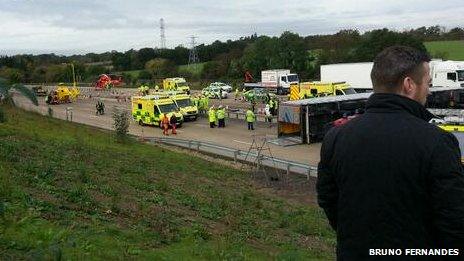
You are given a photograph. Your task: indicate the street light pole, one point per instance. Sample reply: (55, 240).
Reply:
(74, 75)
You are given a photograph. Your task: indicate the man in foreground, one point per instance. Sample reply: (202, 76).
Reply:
(388, 179)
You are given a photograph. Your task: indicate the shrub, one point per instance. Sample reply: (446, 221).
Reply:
(121, 122)
(50, 112)
(2, 115)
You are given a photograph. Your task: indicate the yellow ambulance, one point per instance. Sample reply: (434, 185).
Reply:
(176, 84)
(185, 105)
(150, 110)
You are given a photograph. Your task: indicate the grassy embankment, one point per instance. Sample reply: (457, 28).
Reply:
(193, 69)
(71, 191)
(448, 50)
(133, 73)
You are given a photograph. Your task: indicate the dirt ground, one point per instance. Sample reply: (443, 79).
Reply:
(294, 188)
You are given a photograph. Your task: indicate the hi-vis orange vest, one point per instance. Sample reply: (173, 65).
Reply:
(165, 121)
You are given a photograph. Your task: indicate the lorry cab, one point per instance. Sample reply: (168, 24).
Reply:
(184, 103)
(176, 84)
(287, 80)
(150, 110)
(447, 73)
(278, 80)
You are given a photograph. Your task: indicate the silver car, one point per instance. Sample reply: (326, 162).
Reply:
(221, 85)
(214, 93)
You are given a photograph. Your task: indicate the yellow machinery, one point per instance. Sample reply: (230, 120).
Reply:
(176, 84)
(62, 94)
(74, 92)
(184, 103)
(452, 128)
(150, 109)
(319, 89)
(457, 129)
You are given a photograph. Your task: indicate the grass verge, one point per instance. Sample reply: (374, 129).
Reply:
(74, 192)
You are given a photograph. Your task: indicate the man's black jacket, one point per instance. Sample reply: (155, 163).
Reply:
(389, 179)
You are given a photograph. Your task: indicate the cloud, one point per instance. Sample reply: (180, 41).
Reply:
(97, 26)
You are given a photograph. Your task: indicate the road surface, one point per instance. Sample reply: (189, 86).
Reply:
(235, 135)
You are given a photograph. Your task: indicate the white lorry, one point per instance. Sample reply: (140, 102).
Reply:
(358, 75)
(277, 81)
(447, 73)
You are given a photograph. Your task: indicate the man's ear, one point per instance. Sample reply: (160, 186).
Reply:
(408, 85)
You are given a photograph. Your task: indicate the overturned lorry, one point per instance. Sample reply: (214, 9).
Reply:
(308, 120)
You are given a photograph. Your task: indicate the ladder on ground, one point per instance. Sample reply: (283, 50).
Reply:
(259, 147)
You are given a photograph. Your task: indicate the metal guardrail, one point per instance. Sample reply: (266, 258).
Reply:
(447, 112)
(242, 115)
(240, 155)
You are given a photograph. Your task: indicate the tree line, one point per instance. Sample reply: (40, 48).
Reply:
(224, 60)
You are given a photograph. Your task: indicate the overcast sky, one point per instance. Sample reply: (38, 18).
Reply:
(83, 26)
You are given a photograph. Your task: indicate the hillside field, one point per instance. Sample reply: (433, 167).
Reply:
(447, 50)
(69, 191)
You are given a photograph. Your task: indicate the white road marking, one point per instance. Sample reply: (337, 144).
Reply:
(244, 142)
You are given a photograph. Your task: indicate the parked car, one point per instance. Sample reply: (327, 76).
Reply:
(214, 92)
(258, 94)
(223, 86)
(39, 91)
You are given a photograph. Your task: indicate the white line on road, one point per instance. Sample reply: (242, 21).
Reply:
(244, 142)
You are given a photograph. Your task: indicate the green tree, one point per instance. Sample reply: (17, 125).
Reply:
(93, 71)
(256, 56)
(145, 75)
(456, 33)
(375, 41)
(160, 68)
(129, 79)
(211, 70)
(56, 73)
(121, 61)
(38, 75)
(145, 54)
(12, 74)
(6, 96)
(292, 53)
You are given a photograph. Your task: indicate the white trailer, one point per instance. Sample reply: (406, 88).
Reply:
(277, 81)
(357, 75)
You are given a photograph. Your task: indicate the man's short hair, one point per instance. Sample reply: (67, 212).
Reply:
(394, 64)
